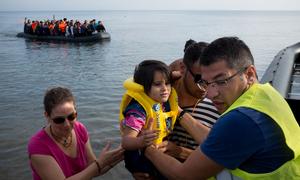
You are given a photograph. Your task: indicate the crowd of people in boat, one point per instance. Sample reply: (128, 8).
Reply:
(63, 27)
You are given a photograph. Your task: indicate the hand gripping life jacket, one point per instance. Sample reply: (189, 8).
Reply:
(163, 121)
(264, 98)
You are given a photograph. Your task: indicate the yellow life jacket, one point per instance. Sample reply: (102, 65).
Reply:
(264, 98)
(163, 121)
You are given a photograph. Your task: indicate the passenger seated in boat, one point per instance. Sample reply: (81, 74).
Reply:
(38, 29)
(61, 28)
(33, 26)
(51, 28)
(83, 29)
(27, 26)
(76, 29)
(149, 95)
(70, 29)
(56, 29)
(100, 27)
(91, 27)
(46, 28)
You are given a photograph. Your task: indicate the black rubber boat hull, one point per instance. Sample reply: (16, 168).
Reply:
(284, 75)
(93, 38)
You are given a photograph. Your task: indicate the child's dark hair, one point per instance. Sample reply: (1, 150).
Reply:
(144, 73)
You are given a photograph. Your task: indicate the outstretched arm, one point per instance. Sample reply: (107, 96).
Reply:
(47, 167)
(132, 140)
(197, 166)
(109, 158)
(174, 150)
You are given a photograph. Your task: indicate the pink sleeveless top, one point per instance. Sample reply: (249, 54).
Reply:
(42, 144)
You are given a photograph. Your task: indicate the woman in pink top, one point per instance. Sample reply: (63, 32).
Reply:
(62, 149)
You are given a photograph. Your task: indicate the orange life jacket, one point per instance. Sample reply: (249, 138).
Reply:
(62, 26)
(51, 26)
(33, 26)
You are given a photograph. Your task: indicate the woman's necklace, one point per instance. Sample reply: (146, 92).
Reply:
(64, 141)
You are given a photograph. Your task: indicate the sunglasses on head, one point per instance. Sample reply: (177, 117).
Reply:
(61, 119)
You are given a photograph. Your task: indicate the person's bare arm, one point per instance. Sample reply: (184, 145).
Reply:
(132, 140)
(89, 152)
(107, 159)
(197, 166)
(174, 150)
(197, 130)
(184, 153)
(47, 167)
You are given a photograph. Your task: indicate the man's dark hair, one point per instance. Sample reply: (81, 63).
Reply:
(188, 43)
(231, 49)
(193, 53)
(144, 73)
(56, 96)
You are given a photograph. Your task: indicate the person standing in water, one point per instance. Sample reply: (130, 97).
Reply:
(62, 149)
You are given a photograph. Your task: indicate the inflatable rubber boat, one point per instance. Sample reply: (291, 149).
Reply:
(284, 75)
(91, 38)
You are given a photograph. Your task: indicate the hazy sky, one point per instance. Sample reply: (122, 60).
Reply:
(28, 5)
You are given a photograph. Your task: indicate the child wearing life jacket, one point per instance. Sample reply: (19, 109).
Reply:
(148, 95)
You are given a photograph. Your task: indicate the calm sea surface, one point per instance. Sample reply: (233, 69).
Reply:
(95, 71)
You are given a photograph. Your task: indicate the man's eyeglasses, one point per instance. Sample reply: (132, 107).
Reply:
(61, 119)
(197, 77)
(219, 83)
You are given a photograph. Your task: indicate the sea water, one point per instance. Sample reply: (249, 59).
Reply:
(95, 71)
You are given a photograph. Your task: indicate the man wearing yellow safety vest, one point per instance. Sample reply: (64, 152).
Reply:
(256, 137)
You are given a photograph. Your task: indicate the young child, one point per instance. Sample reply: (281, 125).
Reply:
(149, 95)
